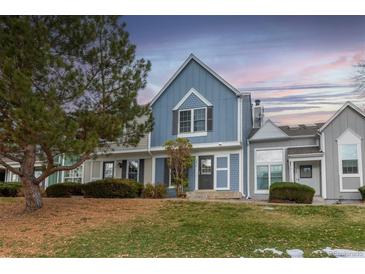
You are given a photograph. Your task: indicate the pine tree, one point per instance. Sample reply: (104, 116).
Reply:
(68, 86)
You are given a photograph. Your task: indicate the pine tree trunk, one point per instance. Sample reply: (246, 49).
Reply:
(32, 194)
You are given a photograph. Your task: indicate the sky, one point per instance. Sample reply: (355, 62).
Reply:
(300, 67)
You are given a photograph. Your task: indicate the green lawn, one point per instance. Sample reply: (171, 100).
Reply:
(198, 229)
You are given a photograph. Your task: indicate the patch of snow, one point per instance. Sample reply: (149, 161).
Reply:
(268, 208)
(272, 250)
(344, 253)
(295, 253)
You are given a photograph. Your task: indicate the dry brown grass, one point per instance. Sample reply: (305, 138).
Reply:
(27, 234)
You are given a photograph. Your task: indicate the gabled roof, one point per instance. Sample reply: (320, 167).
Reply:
(269, 130)
(293, 131)
(196, 59)
(347, 104)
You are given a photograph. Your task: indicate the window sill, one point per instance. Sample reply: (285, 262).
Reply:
(193, 134)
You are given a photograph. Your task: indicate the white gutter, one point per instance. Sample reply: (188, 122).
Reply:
(248, 170)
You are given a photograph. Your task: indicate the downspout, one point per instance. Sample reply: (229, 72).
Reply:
(248, 170)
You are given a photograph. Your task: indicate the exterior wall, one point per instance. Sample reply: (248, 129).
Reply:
(223, 99)
(296, 142)
(233, 170)
(315, 181)
(93, 169)
(142, 145)
(147, 171)
(348, 119)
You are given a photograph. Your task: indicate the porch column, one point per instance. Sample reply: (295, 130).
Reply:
(291, 170)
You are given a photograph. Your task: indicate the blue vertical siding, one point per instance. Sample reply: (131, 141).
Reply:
(223, 99)
(191, 177)
(222, 179)
(159, 170)
(234, 171)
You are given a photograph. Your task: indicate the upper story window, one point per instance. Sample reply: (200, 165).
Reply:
(349, 158)
(193, 120)
(349, 153)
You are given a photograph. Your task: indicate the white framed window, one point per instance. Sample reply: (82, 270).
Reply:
(349, 160)
(74, 175)
(222, 172)
(108, 169)
(192, 122)
(206, 166)
(133, 170)
(269, 168)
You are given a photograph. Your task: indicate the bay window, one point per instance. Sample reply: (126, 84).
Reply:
(269, 169)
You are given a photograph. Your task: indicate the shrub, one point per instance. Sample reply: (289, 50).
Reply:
(137, 187)
(111, 188)
(10, 189)
(362, 192)
(160, 191)
(64, 190)
(154, 191)
(291, 192)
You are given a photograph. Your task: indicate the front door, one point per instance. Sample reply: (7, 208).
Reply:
(206, 164)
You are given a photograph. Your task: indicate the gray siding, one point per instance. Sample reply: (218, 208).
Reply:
(234, 172)
(347, 119)
(246, 129)
(310, 141)
(223, 99)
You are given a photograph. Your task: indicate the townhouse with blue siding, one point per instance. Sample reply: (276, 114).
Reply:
(237, 153)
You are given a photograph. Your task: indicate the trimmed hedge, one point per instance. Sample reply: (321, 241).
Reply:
(154, 191)
(362, 192)
(112, 188)
(10, 189)
(291, 192)
(64, 190)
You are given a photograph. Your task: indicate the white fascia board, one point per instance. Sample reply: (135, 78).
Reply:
(193, 57)
(197, 94)
(338, 112)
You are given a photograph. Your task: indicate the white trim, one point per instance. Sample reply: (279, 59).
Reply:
(63, 172)
(123, 151)
(153, 170)
(268, 164)
(240, 172)
(269, 138)
(227, 156)
(193, 133)
(196, 172)
(214, 154)
(206, 145)
(248, 170)
(193, 57)
(354, 140)
(197, 94)
(338, 112)
(239, 119)
(323, 167)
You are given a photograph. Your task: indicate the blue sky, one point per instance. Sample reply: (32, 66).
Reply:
(301, 67)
